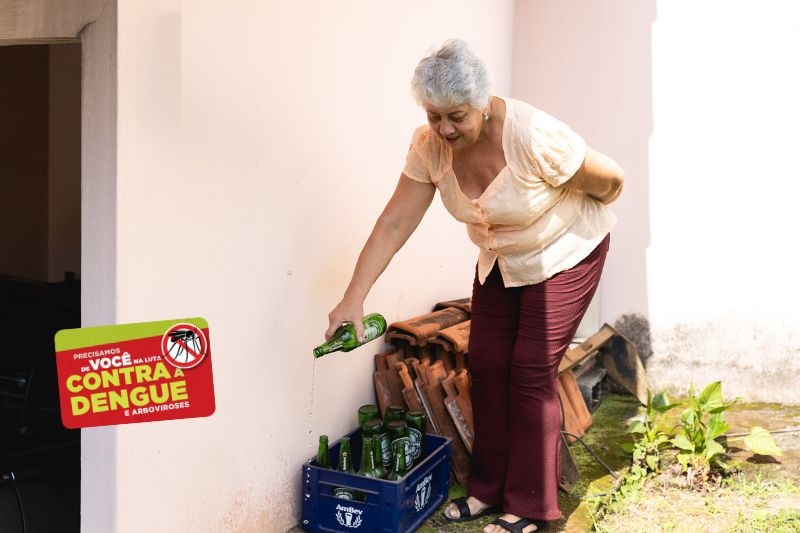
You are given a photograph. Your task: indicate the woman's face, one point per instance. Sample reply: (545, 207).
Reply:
(460, 126)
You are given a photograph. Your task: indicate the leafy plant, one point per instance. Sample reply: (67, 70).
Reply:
(760, 442)
(702, 455)
(650, 438)
(702, 423)
(699, 438)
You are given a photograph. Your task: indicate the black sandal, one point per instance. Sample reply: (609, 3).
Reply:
(464, 514)
(519, 525)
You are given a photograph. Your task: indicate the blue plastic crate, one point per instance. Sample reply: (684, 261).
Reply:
(389, 506)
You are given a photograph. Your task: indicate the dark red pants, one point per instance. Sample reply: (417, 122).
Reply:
(518, 336)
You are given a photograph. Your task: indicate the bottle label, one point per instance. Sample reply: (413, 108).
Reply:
(371, 331)
(343, 493)
(346, 493)
(414, 445)
(386, 450)
(409, 458)
(373, 328)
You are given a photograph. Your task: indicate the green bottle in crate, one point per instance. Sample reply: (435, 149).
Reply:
(374, 427)
(345, 464)
(393, 412)
(377, 453)
(323, 455)
(398, 433)
(344, 339)
(398, 505)
(416, 433)
(368, 466)
(367, 412)
(399, 467)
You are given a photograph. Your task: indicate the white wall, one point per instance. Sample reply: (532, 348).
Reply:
(97, 29)
(697, 100)
(722, 261)
(257, 144)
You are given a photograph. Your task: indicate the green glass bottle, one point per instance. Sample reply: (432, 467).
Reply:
(398, 433)
(377, 454)
(368, 467)
(416, 433)
(345, 464)
(323, 455)
(374, 428)
(399, 468)
(344, 339)
(366, 412)
(392, 413)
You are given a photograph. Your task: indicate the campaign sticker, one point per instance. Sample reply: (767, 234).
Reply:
(130, 373)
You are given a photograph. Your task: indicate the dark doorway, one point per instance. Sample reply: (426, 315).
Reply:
(40, 177)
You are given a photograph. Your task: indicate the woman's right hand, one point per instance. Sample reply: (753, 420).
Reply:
(345, 312)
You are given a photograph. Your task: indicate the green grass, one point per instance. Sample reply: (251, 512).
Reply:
(744, 503)
(785, 521)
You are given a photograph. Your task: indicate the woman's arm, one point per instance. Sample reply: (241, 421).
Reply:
(399, 219)
(599, 176)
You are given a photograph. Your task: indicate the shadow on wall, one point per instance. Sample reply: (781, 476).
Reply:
(636, 328)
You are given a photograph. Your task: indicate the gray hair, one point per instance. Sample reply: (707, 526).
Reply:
(451, 76)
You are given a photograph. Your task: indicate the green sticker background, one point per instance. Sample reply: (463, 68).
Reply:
(73, 339)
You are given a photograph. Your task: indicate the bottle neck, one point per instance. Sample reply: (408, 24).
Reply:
(345, 462)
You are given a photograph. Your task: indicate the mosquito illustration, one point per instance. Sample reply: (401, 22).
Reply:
(181, 340)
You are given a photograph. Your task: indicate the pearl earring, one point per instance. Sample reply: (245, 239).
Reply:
(485, 116)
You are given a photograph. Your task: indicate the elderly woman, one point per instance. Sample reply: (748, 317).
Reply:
(534, 199)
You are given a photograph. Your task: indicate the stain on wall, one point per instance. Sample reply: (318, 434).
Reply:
(757, 362)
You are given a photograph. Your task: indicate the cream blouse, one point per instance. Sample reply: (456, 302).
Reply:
(531, 228)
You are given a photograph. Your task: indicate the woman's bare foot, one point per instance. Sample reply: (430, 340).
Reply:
(511, 519)
(475, 508)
